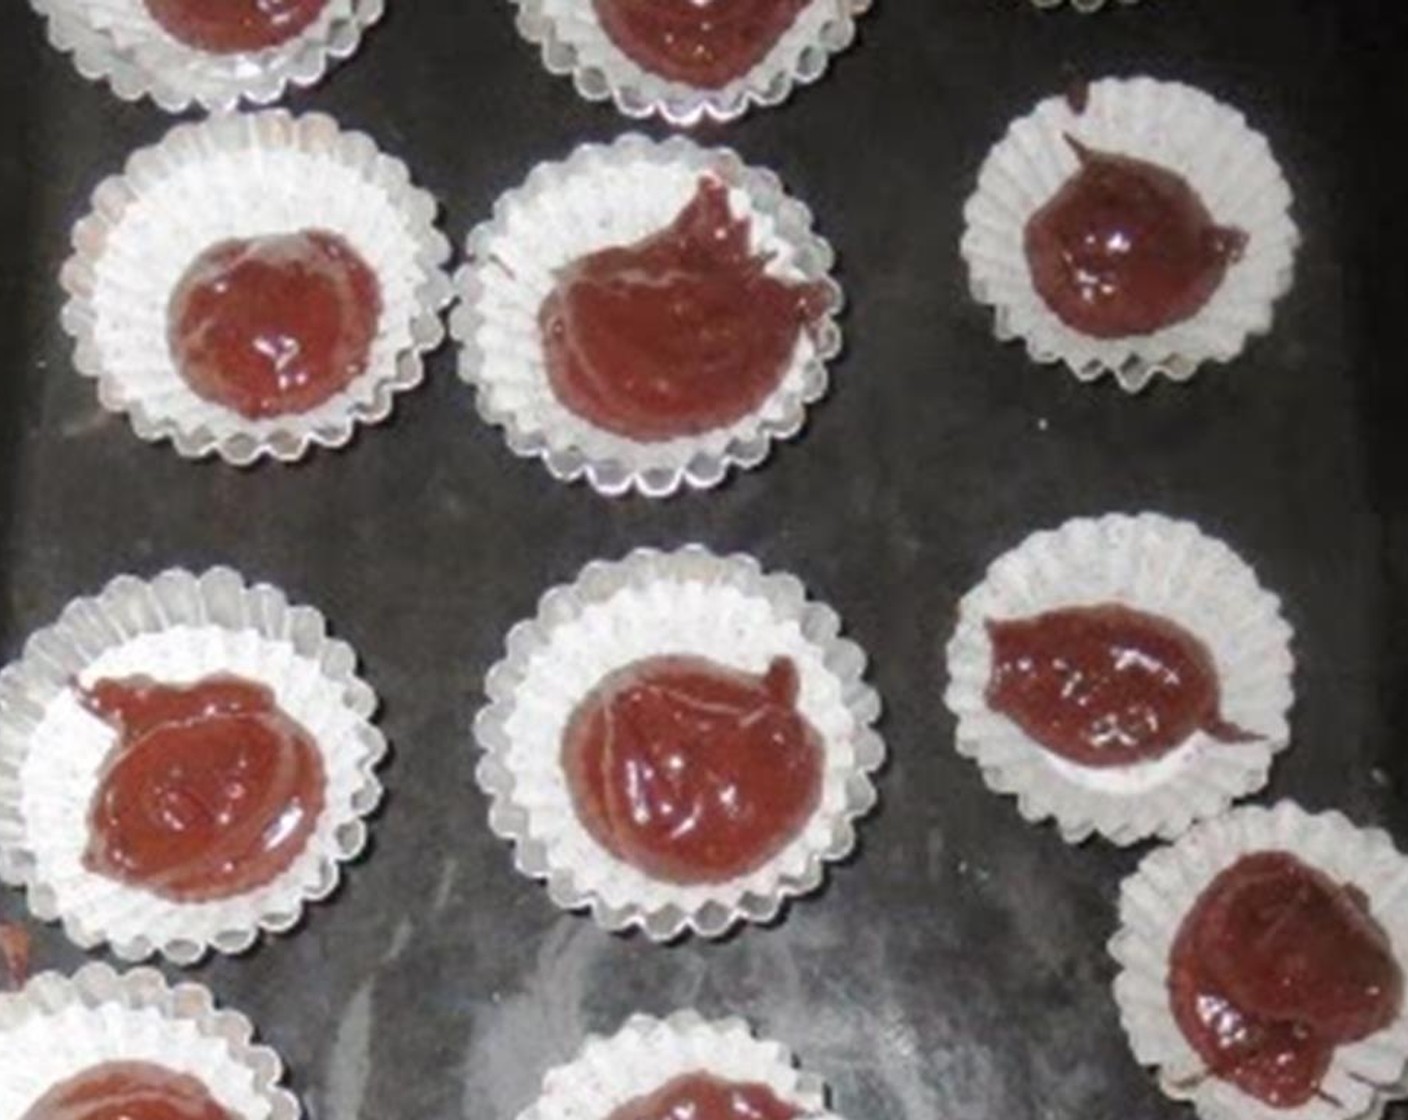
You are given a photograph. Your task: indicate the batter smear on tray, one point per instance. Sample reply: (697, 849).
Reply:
(680, 333)
(128, 1091)
(703, 43)
(274, 325)
(1274, 967)
(691, 771)
(211, 791)
(1126, 247)
(702, 1096)
(1106, 685)
(234, 26)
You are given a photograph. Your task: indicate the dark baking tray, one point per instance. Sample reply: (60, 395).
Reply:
(957, 967)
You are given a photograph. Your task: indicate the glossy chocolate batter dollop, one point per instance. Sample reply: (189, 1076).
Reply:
(677, 334)
(211, 791)
(702, 1096)
(274, 325)
(703, 43)
(233, 26)
(1274, 967)
(691, 771)
(128, 1091)
(1106, 685)
(1126, 247)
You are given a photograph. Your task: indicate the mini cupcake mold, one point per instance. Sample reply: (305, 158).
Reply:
(573, 42)
(121, 43)
(1084, 6)
(647, 1053)
(177, 628)
(1207, 143)
(242, 176)
(652, 603)
(614, 195)
(1363, 1076)
(1164, 567)
(56, 1027)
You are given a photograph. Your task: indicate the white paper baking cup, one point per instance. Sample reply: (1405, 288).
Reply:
(574, 43)
(652, 603)
(1154, 564)
(600, 197)
(1083, 6)
(118, 41)
(178, 629)
(248, 175)
(1153, 904)
(1175, 126)
(647, 1054)
(57, 1027)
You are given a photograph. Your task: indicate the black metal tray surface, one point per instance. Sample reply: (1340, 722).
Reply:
(956, 967)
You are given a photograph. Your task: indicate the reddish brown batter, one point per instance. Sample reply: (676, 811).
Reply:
(1078, 95)
(704, 43)
(691, 771)
(1106, 685)
(1126, 247)
(128, 1091)
(1275, 966)
(15, 948)
(211, 791)
(678, 334)
(274, 325)
(232, 26)
(702, 1096)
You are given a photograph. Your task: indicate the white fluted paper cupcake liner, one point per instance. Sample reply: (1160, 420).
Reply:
(118, 41)
(57, 1027)
(599, 197)
(685, 602)
(1083, 6)
(1165, 567)
(1153, 903)
(177, 628)
(648, 1053)
(240, 176)
(573, 42)
(94, 54)
(1211, 146)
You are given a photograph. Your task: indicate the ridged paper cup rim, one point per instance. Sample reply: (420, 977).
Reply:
(1165, 567)
(651, 603)
(56, 1027)
(573, 42)
(1363, 1076)
(247, 175)
(1210, 145)
(178, 628)
(648, 1053)
(613, 195)
(118, 42)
